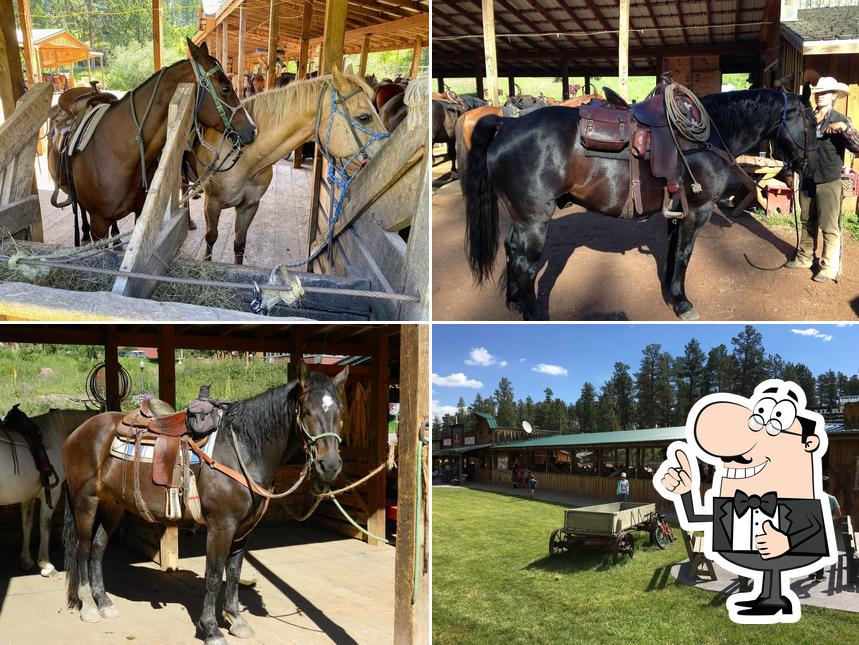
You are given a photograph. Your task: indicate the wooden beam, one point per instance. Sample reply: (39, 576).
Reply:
(490, 56)
(378, 436)
(11, 75)
(441, 84)
(565, 80)
(156, 33)
(479, 85)
(365, 52)
(303, 62)
(410, 620)
(416, 59)
(225, 48)
(167, 365)
(240, 54)
(34, 73)
(623, 49)
(272, 43)
(111, 369)
(511, 86)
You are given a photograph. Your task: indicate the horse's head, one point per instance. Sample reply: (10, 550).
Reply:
(320, 419)
(348, 125)
(796, 134)
(219, 107)
(18, 420)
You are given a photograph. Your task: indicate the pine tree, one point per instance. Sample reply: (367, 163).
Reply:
(606, 419)
(586, 408)
(622, 389)
(665, 396)
(689, 375)
(750, 360)
(647, 412)
(506, 415)
(719, 371)
(827, 389)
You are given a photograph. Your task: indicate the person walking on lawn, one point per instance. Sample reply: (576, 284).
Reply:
(821, 192)
(623, 488)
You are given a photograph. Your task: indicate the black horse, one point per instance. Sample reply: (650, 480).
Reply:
(535, 163)
(268, 429)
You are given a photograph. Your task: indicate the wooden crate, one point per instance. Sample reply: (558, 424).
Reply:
(680, 67)
(706, 82)
(705, 63)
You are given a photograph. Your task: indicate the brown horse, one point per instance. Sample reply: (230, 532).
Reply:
(107, 175)
(466, 122)
(385, 92)
(254, 438)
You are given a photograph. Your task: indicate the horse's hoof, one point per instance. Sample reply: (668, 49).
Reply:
(90, 615)
(110, 612)
(48, 571)
(240, 629)
(216, 640)
(689, 315)
(27, 565)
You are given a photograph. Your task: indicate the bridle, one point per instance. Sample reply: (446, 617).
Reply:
(782, 125)
(310, 440)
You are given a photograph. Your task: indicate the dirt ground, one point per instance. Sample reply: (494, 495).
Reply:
(599, 268)
(312, 587)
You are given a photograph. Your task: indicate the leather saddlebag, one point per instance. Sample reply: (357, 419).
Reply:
(605, 136)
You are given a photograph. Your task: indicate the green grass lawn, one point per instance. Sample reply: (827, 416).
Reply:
(494, 582)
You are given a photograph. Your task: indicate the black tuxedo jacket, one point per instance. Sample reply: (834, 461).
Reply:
(800, 519)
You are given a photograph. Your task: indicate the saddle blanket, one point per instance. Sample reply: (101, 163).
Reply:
(125, 450)
(14, 439)
(85, 127)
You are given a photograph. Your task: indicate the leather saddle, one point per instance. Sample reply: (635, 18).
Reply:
(79, 99)
(639, 132)
(156, 421)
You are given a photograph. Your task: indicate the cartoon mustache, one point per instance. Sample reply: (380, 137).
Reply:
(738, 458)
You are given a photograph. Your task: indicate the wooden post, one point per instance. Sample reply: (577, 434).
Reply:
(34, 74)
(272, 43)
(365, 54)
(511, 86)
(167, 365)
(479, 81)
(378, 436)
(332, 54)
(416, 59)
(11, 75)
(565, 81)
(623, 49)
(225, 47)
(587, 84)
(101, 69)
(410, 620)
(156, 33)
(489, 50)
(303, 61)
(441, 84)
(111, 369)
(240, 54)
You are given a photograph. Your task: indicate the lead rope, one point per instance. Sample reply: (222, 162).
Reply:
(138, 138)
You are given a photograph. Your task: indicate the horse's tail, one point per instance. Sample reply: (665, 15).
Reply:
(481, 201)
(70, 543)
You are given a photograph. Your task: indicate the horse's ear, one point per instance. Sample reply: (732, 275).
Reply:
(15, 407)
(339, 79)
(806, 92)
(340, 379)
(303, 374)
(349, 71)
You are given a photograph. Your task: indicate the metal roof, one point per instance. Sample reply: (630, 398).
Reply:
(619, 437)
(460, 450)
(825, 23)
(489, 419)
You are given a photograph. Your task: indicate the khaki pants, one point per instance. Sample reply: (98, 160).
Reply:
(821, 209)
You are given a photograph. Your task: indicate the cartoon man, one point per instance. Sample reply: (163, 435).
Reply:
(764, 515)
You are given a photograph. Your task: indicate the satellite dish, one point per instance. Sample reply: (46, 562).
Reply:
(526, 427)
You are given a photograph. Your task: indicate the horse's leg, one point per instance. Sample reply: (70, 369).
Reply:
(85, 512)
(524, 247)
(218, 541)
(244, 216)
(85, 226)
(27, 528)
(99, 226)
(687, 231)
(46, 569)
(114, 228)
(108, 521)
(238, 625)
(212, 209)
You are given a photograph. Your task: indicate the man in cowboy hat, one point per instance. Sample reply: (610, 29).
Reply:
(820, 193)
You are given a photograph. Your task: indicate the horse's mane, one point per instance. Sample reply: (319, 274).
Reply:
(280, 104)
(126, 96)
(257, 421)
(733, 108)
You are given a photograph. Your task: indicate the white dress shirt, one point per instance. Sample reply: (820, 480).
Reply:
(749, 526)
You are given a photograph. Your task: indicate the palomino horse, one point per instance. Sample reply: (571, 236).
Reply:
(20, 482)
(288, 117)
(537, 161)
(465, 127)
(254, 438)
(108, 180)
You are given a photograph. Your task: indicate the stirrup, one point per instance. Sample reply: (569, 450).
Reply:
(667, 203)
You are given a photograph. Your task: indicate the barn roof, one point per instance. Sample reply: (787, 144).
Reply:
(825, 23)
(534, 37)
(489, 419)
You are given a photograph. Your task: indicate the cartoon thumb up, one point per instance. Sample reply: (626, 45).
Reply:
(677, 479)
(771, 543)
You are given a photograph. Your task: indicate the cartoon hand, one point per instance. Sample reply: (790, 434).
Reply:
(772, 543)
(678, 480)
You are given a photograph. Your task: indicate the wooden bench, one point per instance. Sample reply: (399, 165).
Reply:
(851, 542)
(699, 564)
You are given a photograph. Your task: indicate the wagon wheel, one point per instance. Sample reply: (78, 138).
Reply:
(558, 542)
(625, 545)
(662, 535)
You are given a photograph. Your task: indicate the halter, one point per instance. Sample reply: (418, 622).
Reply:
(783, 125)
(310, 440)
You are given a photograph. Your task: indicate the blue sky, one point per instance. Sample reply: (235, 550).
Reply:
(467, 359)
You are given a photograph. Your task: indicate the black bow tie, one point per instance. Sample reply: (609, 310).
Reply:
(766, 502)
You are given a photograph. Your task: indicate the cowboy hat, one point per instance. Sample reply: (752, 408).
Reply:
(829, 84)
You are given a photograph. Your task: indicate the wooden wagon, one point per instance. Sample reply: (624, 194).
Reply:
(610, 527)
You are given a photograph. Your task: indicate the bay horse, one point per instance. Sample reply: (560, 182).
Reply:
(255, 437)
(385, 92)
(108, 176)
(288, 117)
(20, 481)
(537, 162)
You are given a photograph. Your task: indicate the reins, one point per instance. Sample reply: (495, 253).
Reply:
(138, 137)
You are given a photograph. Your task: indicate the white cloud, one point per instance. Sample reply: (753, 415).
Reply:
(439, 410)
(811, 332)
(551, 370)
(521, 360)
(457, 379)
(844, 324)
(481, 356)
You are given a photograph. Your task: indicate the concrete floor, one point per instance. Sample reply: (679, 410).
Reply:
(312, 587)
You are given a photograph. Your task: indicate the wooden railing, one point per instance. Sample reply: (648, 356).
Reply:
(19, 208)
